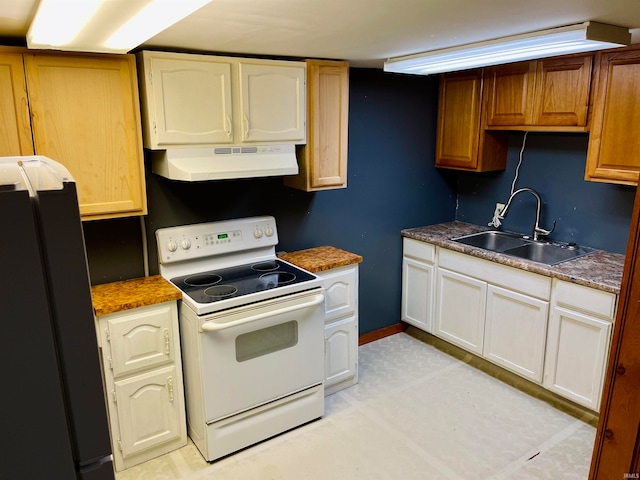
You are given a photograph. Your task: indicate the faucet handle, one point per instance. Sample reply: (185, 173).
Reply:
(544, 232)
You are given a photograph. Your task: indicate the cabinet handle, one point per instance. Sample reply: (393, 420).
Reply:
(167, 343)
(229, 127)
(170, 388)
(246, 125)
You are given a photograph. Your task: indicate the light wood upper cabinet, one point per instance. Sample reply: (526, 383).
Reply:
(614, 145)
(461, 141)
(85, 115)
(323, 160)
(562, 91)
(15, 125)
(551, 93)
(510, 89)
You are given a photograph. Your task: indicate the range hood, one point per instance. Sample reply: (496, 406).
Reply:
(219, 163)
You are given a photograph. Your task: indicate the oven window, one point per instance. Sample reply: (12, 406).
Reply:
(266, 340)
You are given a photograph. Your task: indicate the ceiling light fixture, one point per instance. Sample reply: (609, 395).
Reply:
(582, 37)
(106, 26)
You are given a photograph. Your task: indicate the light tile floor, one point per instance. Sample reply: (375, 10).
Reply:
(417, 413)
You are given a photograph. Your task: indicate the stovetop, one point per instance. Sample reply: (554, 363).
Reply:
(232, 282)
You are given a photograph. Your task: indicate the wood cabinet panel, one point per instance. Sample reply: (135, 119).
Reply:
(562, 91)
(15, 125)
(614, 147)
(461, 141)
(323, 160)
(510, 90)
(85, 115)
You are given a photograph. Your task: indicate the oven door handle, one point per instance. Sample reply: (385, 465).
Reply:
(214, 327)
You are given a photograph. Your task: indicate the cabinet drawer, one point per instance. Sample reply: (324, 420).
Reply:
(419, 250)
(585, 299)
(341, 286)
(140, 338)
(512, 278)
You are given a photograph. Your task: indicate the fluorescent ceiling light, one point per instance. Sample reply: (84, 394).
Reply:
(583, 37)
(108, 26)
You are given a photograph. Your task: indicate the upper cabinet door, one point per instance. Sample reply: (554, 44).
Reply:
(614, 145)
(188, 100)
(15, 126)
(562, 91)
(85, 114)
(459, 119)
(510, 90)
(272, 102)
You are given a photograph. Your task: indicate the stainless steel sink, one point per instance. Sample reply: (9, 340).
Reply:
(493, 240)
(549, 253)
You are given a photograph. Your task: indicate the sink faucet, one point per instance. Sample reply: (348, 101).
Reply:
(537, 230)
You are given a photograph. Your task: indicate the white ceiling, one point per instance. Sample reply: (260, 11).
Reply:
(365, 32)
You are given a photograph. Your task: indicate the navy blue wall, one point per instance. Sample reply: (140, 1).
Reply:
(588, 213)
(392, 185)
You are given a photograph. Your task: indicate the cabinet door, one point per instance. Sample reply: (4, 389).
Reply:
(341, 292)
(510, 90)
(577, 351)
(457, 141)
(418, 293)
(562, 91)
(191, 100)
(614, 149)
(15, 125)
(461, 141)
(515, 332)
(460, 308)
(341, 352)
(323, 160)
(85, 114)
(272, 103)
(149, 411)
(141, 338)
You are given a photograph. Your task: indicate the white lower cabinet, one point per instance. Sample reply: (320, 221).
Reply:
(556, 333)
(341, 327)
(578, 342)
(515, 331)
(418, 284)
(460, 317)
(142, 373)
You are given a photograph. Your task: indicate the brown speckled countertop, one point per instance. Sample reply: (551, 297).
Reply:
(599, 269)
(139, 292)
(319, 259)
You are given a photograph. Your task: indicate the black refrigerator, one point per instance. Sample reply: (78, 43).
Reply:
(53, 419)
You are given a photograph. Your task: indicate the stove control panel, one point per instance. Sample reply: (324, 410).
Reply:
(189, 242)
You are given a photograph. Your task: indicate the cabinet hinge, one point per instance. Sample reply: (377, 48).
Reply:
(151, 77)
(167, 342)
(113, 396)
(170, 388)
(119, 444)
(111, 363)
(155, 128)
(107, 335)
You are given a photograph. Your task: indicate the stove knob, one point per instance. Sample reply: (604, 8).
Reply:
(172, 246)
(257, 233)
(185, 244)
(268, 231)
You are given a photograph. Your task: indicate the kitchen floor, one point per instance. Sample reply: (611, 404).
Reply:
(417, 413)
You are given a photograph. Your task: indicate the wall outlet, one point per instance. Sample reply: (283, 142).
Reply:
(498, 210)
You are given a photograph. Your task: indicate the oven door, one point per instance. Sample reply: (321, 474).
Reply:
(260, 352)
